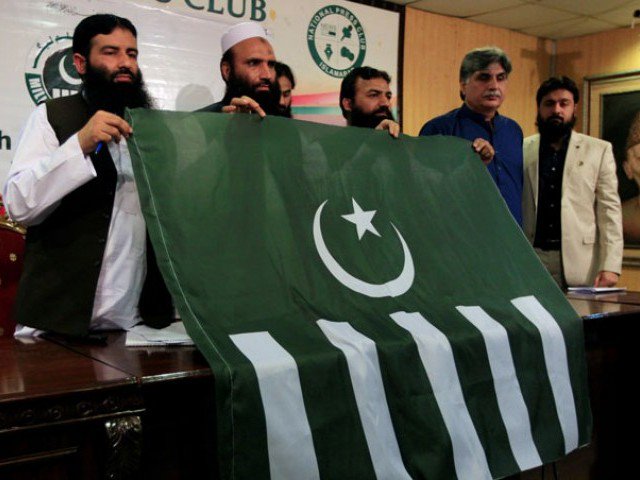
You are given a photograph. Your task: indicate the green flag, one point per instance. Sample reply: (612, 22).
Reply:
(368, 306)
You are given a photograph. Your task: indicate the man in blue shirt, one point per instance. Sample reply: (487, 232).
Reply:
(484, 74)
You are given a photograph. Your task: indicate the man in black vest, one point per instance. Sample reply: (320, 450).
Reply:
(88, 263)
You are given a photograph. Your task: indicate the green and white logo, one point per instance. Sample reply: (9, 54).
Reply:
(50, 72)
(336, 40)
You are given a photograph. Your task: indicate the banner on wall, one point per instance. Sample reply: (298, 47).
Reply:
(179, 42)
(348, 292)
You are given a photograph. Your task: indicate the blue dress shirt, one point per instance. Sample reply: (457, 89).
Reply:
(504, 134)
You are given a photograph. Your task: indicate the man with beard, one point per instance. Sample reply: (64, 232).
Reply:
(286, 83)
(247, 67)
(484, 75)
(571, 206)
(365, 100)
(71, 183)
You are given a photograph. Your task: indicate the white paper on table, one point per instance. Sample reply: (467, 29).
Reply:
(597, 290)
(143, 336)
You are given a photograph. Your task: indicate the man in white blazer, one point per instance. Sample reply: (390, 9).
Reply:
(571, 206)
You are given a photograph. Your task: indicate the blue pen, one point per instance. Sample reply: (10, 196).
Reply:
(99, 147)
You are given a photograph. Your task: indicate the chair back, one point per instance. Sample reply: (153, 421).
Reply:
(12, 237)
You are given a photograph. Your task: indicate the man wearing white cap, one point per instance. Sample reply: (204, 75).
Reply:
(248, 68)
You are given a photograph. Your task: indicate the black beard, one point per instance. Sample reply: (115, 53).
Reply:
(554, 130)
(102, 93)
(268, 100)
(369, 120)
(284, 111)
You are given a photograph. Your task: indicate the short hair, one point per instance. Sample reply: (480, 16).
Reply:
(557, 83)
(99, 24)
(348, 86)
(283, 70)
(480, 59)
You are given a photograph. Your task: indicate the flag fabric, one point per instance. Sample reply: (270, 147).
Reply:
(368, 306)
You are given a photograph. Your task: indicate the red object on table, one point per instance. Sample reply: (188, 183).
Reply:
(11, 258)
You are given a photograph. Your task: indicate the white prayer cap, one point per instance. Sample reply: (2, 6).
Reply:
(239, 32)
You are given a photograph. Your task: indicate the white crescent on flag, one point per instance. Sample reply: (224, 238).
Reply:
(393, 288)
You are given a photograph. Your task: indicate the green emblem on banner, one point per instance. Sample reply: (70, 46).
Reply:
(336, 40)
(50, 72)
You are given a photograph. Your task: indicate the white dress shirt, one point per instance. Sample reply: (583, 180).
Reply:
(43, 172)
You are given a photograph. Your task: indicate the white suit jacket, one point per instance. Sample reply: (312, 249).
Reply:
(590, 218)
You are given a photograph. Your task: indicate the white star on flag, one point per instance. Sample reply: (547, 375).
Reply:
(361, 219)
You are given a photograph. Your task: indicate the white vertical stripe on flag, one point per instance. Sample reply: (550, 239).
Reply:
(366, 379)
(510, 400)
(437, 358)
(555, 357)
(289, 440)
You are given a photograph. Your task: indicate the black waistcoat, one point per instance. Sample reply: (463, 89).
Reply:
(64, 253)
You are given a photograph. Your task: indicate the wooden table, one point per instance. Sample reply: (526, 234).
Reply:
(611, 331)
(177, 390)
(594, 309)
(56, 397)
(58, 410)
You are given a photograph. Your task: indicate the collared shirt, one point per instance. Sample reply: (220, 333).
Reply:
(43, 172)
(550, 170)
(504, 134)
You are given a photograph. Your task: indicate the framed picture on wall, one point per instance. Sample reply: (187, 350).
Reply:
(612, 103)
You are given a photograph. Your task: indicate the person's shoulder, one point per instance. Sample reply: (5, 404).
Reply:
(38, 116)
(589, 140)
(530, 147)
(446, 117)
(442, 124)
(511, 123)
(63, 107)
(64, 102)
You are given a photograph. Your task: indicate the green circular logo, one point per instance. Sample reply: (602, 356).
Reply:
(336, 40)
(50, 72)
